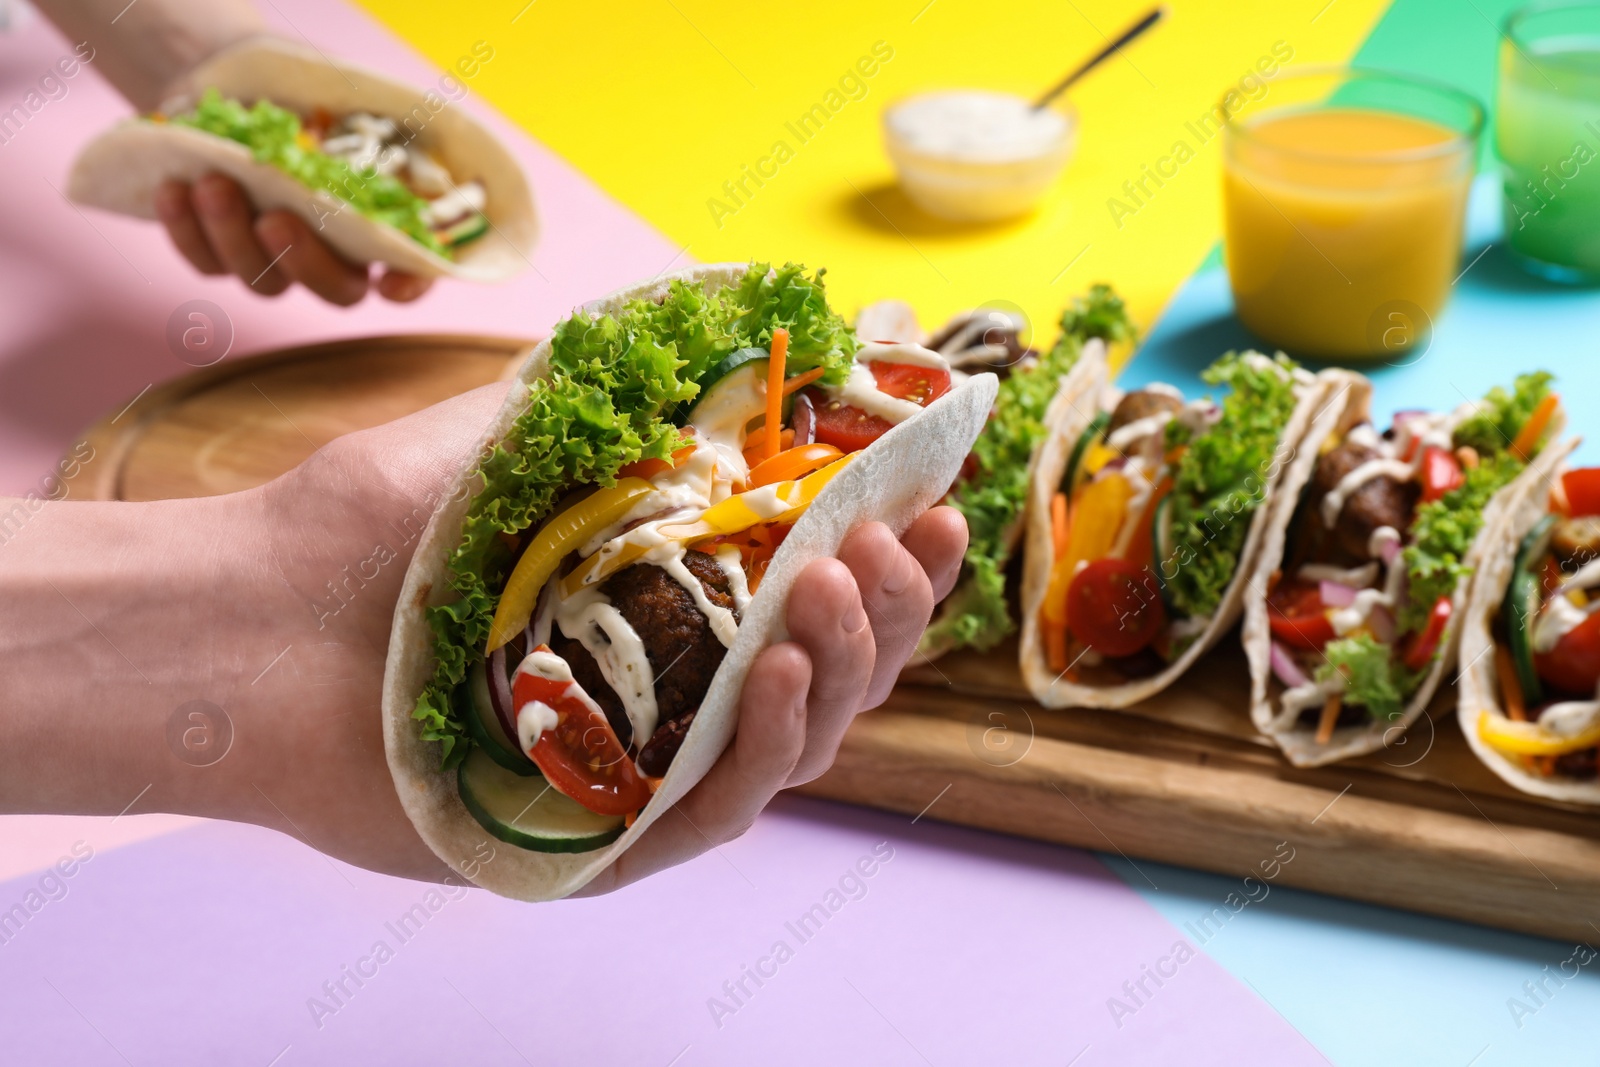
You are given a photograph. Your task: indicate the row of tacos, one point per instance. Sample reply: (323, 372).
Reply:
(578, 621)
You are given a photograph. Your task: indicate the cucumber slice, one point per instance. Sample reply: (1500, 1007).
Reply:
(1161, 541)
(484, 725)
(527, 812)
(1093, 432)
(464, 232)
(729, 363)
(1520, 608)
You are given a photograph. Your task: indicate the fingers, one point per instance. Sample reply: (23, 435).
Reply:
(898, 598)
(226, 217)
(303, 257)
(938, 540)
(402, 288)
(176, 212)
(826, 617)
(770, 738)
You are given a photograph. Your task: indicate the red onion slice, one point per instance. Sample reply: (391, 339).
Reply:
(804, 421)
(500, 691)
(1336, 594)
(1284, 666)
(1391, 552)
(1381, 622)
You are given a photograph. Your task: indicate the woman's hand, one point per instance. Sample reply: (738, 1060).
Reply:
(272, 608)
(215, 227)
(854, 620)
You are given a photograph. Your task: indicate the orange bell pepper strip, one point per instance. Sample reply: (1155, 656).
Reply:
(1527, 441)
(1141, 548)
(1096, 515)
(792, 464)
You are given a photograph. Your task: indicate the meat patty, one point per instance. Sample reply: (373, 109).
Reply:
(1381, 501)
(1141, 404)
(982, 340)
(683, 651)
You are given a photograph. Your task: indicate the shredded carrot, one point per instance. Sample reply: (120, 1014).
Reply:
(1510, 688)
(1058, 525)
(800, 381)
(1528, 438)
(1330, 717)
(775, 368)
(1055, 644)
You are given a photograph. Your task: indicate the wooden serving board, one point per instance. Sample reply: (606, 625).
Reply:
(1182, 778)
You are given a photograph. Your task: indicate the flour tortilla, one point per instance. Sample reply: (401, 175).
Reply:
(1085, 392)
(1479, 689)
(120, 170)
(907, 471)
(1349, 403)
(1094, 351)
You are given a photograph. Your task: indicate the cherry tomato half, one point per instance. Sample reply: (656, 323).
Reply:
(581, 756)
(1582, 487)
(1298, 617)
(1440, 473)
(1426, 643)
(1573, 666)
(847, 428)
(910, 381)
(1114, 607)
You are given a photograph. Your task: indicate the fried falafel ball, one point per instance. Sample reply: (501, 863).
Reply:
(683, 651)
(1380, 501)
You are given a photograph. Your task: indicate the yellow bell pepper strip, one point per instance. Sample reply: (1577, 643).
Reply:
(1096, 516)
(1529, 738)
(744, 510)
(731, 516)
(599, 567)
(560, 535)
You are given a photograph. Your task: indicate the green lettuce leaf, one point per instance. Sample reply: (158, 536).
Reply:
(612, 381)
(1500, 416)
(272, 134)
(1443, 531)
(992, 499)
(1371, 677)
(1221, 479)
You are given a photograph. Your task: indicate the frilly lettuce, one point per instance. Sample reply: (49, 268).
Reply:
(992, 499)
(1221, 479)
(612, 380)
(273, 136)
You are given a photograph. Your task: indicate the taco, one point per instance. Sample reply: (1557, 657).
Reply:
(1145, 519)
(366, 161)
(1353, 612)
(1529, 701)
(577, 623)
(993, 488)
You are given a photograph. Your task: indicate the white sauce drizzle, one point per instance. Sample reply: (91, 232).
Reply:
(722, 621)
(1559, 617)
(1355, 577)
(589, 618)
(732, 565)
(1382, 538)
(1138, 429)
(901, 352)
(1570, 717)
(861, 390)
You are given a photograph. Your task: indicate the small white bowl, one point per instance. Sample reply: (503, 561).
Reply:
(970, 155)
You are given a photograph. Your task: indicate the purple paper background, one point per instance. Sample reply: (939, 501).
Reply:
(204, 946)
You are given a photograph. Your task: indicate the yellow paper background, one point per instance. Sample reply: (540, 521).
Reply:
(661, 102)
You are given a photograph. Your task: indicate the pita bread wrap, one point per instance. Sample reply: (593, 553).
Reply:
(1086, 394)
(120, 170)
(1276, 709)
(1479, 704)
(893, 480)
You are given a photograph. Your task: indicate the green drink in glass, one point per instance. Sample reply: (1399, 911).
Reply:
(1547, 133)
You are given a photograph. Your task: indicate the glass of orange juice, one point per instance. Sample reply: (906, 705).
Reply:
(1344, 198)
